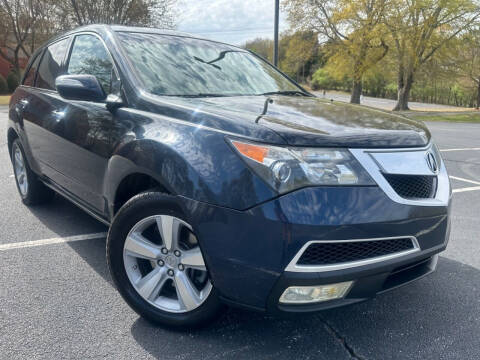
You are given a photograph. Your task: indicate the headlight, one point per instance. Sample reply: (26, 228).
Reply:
(289, 168)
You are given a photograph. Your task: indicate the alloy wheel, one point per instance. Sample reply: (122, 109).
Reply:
(20, 170)
(164, 264)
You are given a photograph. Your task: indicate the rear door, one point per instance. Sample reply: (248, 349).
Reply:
(20, 106)
(42, 107)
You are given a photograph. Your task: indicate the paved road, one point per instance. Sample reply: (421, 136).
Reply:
(387, 104)
(57, 301)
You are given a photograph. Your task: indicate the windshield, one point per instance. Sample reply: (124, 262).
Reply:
(179, 66)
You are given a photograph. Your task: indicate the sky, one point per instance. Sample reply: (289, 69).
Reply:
(230, 21)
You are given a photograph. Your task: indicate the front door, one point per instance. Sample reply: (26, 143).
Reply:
(80, 136)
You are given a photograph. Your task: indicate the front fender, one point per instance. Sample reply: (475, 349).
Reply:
(188, 160)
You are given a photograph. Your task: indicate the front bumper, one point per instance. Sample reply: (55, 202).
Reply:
(247, 252)
(366, 285)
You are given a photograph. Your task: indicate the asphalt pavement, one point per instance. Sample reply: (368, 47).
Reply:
(57, 300)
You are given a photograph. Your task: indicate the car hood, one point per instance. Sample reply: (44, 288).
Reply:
(310, 121)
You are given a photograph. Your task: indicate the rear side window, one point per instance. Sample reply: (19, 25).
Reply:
(90, 57)
(30, 76)
(50, 65)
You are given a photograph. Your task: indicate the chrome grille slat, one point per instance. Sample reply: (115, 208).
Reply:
(295, 266)
(378, 162)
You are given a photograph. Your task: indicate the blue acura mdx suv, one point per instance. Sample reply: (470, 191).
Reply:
(221, 179)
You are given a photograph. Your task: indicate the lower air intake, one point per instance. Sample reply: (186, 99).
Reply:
(330, 253)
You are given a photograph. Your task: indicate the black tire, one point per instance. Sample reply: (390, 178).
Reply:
(140, 207)
(36, 192)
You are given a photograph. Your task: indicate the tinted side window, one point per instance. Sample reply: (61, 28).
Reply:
(50, 66)
(90, 57)
(30, 76)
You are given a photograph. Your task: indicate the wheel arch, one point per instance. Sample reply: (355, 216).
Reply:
(131, 185)
(141, 165)
(11, 136)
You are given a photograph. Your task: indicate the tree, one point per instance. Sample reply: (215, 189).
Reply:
(28, 23)
(19, 18)
(354, 32)
(419, 28)
(13, 81)
(299, 55)
(3, 85)
(262, 47)
(158, 13)
(323, 80)
(466, 59)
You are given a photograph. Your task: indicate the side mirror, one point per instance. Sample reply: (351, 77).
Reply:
(80, 87)
(114, 102)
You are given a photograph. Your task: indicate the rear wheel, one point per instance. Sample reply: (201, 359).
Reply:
(157, 264)
(31, 189)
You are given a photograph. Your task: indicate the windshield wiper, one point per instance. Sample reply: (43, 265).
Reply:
(220, 56)
(287, 93)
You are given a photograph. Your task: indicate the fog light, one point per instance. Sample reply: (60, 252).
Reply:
(312, 294)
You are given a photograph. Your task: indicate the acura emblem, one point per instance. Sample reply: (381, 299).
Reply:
(432, 162)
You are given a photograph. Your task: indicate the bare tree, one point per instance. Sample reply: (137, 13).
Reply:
(19, 20)
(159, 13)
(28, 23)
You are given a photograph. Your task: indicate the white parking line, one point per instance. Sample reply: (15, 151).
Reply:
(59, 240)
(473, 188)
(460, 149)
(465, 180)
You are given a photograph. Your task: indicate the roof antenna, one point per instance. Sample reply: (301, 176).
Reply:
(265, 109)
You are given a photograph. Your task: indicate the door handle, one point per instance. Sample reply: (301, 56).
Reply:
(58, 114)
(21, 106)
(24, 104)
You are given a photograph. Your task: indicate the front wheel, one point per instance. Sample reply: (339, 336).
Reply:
(157, 265)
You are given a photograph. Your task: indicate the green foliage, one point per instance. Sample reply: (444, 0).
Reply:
(450, 117)
(374, 83)
(354, 31)
(299, 55)
(3, 85)
(396, 48)
(13, 80)
(262, 47)
(323, 80)
(391, 90)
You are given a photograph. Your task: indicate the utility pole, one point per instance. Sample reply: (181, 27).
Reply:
(275, 36)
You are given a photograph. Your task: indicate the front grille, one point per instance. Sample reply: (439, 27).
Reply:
(341, 252)
(413, 186)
